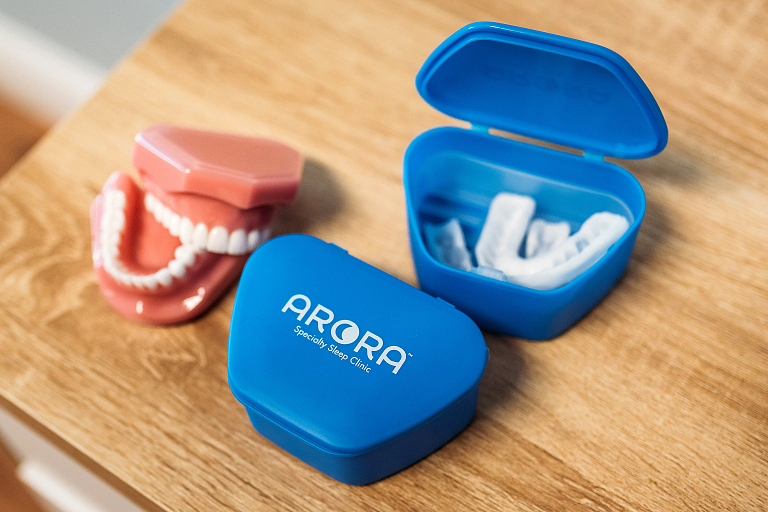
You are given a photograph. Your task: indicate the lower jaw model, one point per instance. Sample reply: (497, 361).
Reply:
(165, 257)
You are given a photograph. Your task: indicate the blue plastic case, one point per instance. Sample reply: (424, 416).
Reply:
(346, 367)
(545, 87)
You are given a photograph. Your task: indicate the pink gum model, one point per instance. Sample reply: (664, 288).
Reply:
(164, 254)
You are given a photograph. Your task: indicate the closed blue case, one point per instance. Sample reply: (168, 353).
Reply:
(544, 87)
(349, 369)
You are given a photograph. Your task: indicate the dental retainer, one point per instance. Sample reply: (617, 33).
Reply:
(165, 253)
(541, 86)
(349, 369)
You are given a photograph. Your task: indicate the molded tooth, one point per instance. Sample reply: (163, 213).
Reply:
(119, 196)
(149, 281)
(185, 255)
(112, 251)
(175, 224)
(163, 276)
(166, 218)
(115, 199)
(218, 239)
(117, 220)
(109, 265)
(237, 242)
(195, 238)
(177, 268)
(158, 211)
(187, 230)
(254, 239)
(200, 237)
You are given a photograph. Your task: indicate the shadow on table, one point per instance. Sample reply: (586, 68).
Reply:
(318, 201)
(503, 375)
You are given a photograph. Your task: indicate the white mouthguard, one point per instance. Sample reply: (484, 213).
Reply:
(504, 228)
(446, 244)
(564, 263)
(544, 237)
(552, 257)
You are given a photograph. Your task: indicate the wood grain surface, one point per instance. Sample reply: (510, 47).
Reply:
(18, 132)
(657, 400)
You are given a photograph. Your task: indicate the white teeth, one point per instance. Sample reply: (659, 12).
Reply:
(175, 224)
(149, 282)
(218, 239)
(238, 243)
(185, 255)
(118, 220)
(112, 251)
(200, 237)
(158, 211)
(163, 276)
(254, 240)
(166, 217)
(186, 230)
(124, 278)
(194, 239)
(177, 268)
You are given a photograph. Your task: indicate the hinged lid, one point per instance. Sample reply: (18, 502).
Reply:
(544, 86)
(342, 355)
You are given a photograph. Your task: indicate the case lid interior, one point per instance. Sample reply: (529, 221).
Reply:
(324, 386)
(544, 86)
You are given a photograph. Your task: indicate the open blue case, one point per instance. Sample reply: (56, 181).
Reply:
(545, 87)
(346, 367)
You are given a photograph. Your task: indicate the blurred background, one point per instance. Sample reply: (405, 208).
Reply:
(55, 53)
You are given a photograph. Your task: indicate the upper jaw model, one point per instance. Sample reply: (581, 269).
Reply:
(163, 254)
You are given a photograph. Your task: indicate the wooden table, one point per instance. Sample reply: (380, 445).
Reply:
(657, 400)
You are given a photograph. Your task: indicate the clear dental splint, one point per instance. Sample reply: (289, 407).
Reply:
(546, 232)
(553, 257)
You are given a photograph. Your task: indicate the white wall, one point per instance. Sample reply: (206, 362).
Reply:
(55, 53)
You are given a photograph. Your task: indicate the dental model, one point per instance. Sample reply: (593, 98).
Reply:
(553, 256)
(165, 253)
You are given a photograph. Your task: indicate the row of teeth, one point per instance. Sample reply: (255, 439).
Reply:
(198, 242)
(217, 240)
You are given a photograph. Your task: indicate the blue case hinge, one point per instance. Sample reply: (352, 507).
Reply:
(479, 128)
(593, 156)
